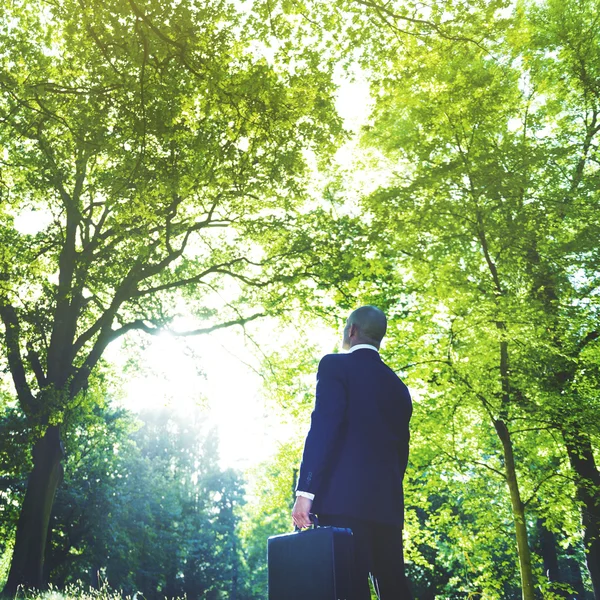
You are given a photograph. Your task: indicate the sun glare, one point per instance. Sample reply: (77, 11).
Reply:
(214, 379)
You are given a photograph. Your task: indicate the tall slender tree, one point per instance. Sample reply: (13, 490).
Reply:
(493, 213)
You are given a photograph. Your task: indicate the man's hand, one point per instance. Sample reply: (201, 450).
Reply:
(300, 512)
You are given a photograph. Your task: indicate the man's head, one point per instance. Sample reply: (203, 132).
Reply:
(366, 325)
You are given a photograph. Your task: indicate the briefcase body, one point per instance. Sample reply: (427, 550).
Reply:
(315, 564)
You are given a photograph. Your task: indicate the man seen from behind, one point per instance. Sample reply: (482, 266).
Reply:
(356, 453)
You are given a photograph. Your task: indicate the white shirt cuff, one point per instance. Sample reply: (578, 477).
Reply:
(306, 495)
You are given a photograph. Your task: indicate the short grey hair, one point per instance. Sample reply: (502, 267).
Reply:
(371, 323)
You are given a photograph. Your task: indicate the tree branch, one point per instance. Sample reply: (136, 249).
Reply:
(592, 129)
(8, 314)
(80, 379)
(539, 485)
(383, 10)
(461, 462)
(182, 282)
(590, 337)
(104, 321)
(480, 464)
(36, 366)
(142, 325)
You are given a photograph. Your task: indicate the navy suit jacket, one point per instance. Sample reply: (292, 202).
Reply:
(356, 451)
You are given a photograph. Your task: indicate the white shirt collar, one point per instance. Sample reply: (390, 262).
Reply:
(361, 346)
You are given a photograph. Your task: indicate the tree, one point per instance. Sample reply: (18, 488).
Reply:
(489, 221)
(146, 508)
(153, 142)
(483, 236)
(90, 520)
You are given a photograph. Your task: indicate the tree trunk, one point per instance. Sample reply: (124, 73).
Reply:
(235, 574)
(27, 565)
(518, 508)
(518, 512)
(582, 461)
(95, 577)
(547, 542)
(170, 588)
(574, 578)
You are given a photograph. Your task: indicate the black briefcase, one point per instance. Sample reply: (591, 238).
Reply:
(315, 564)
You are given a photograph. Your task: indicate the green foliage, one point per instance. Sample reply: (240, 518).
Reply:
(151, 157)
(15, 461)
(269, 510)
(162, 162)
(487, 238)
(289, 376)
(146, 508)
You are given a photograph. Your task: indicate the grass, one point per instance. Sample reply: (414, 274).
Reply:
(75, 592)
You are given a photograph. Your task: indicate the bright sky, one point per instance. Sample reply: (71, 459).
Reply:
(214, 374)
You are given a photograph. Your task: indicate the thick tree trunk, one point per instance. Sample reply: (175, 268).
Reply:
(518, 508)
(582, 461)
(27, 566)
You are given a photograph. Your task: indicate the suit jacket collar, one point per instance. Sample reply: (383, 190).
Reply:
(363, 347)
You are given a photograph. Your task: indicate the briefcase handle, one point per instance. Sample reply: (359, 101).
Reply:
(313, 518)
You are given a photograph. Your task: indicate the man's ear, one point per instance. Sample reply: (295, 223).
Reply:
(353, 330)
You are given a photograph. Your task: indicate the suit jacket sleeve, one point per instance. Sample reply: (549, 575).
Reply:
(327, 421)
(403, 453)
(403, 446)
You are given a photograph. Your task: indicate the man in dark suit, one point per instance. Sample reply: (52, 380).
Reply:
(356, 453)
